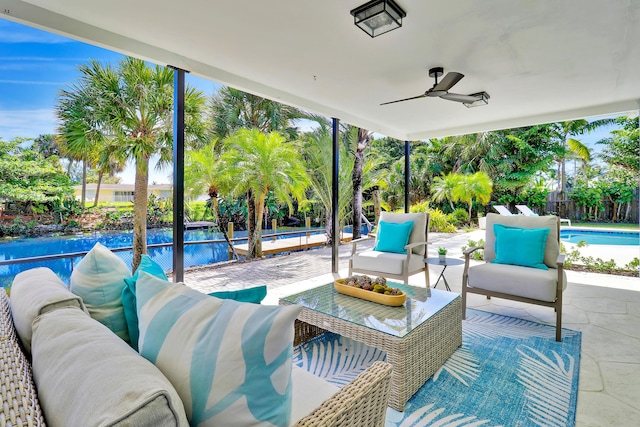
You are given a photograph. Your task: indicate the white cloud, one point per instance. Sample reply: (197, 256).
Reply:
(26, 123)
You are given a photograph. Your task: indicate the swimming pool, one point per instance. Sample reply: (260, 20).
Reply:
(601, 237)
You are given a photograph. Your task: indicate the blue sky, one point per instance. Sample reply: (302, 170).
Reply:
(35, 65)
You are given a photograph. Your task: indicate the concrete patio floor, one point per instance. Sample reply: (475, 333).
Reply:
(605, 308)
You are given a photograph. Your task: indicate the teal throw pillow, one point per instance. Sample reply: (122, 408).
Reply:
(229, 361)
(254, 295)
(520, 246)
(129, 296)
(99, 279)
(393, 237)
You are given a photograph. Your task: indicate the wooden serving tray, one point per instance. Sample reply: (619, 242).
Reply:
(391, 300)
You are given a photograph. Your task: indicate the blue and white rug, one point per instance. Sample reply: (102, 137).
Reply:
(508, 372)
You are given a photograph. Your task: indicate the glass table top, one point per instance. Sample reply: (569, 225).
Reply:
(421, 304)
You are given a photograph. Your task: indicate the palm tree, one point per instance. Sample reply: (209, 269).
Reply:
(317, 153)
(476, 187)
(362, 141)
(133, 105)
(81, 136)
(443, 188)
(255, 163)
(202, 171)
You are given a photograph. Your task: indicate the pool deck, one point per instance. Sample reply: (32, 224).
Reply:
(606, 308)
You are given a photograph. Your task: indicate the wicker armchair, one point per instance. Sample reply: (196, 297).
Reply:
(361, 403)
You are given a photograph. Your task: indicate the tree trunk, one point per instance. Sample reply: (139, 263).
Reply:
(140, 201)
(364, 137)
(356, 177)
(376, 205)
(329, 228)
(84, 183)
(258, 232)
(95, 199)
(222, 226)
(251, 225)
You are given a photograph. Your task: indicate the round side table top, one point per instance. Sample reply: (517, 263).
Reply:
(446, 262)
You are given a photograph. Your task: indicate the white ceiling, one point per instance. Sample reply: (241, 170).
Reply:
(540, 60)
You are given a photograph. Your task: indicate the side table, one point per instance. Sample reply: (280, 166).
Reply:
(447, 262)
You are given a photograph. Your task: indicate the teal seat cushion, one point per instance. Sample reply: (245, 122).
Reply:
(229, 361)
(393, 237)
(129, 296)
(520, 246)
(254, 295)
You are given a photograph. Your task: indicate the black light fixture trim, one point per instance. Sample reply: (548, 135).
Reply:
(483, 99)
(378, 17)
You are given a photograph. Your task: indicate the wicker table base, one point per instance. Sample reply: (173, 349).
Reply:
(415, 357)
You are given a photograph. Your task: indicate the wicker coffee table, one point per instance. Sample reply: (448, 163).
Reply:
(417, 337)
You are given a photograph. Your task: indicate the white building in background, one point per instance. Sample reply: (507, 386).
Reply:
(120, 192)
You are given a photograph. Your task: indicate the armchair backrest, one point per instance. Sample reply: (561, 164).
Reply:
(552, 248)
(419, 231)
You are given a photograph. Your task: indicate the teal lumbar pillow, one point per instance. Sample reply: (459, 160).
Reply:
(129, 295)
(393, 237)
(520, 246)
(229, 361)
(99, 279)
(254, 295)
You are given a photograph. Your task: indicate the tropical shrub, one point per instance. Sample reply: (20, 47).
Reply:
(477, 255)
(438, 222)
(458, 217)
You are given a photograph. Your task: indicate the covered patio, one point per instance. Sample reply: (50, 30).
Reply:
(538, 61)
(605, 308)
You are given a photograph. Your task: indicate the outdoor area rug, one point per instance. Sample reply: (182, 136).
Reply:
(508, 372)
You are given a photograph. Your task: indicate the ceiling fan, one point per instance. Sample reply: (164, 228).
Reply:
(441, 90)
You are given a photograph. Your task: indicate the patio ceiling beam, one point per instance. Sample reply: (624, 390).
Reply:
(178, 174)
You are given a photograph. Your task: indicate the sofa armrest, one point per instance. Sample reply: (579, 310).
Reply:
(560, 260)
(361, 403)
(20, 396)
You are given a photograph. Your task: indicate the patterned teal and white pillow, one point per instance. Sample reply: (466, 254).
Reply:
(229, 361)
(99, 279)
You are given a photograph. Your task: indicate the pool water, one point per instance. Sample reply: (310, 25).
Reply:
(601, 237)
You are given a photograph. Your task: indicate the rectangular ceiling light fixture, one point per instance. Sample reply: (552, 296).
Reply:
(482, 99)
(378, 17)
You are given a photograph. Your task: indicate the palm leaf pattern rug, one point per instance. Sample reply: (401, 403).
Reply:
(508, 372)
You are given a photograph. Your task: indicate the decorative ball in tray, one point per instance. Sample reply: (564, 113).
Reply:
(375, 290)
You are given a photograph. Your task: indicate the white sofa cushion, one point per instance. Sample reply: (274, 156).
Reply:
(516, 280)
(87, 376)
(99, 280)
(34, 292)
(552, 248)
(388, 262)
(417, 232)
(308, 393)
(229, 361)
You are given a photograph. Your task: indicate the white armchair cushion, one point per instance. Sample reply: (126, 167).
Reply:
(387, 262)
(516, 280)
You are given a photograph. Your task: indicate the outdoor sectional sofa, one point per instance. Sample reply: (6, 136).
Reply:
(61, 367)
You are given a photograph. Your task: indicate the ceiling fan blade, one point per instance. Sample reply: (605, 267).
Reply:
(459, 97)
(448, 81)
(406, 99)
